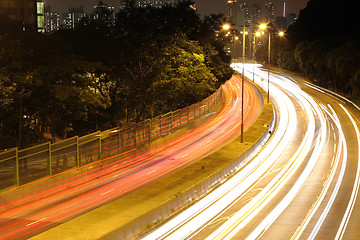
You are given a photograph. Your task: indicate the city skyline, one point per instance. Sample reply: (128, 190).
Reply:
(205, 7)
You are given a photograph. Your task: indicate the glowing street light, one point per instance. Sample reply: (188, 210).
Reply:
(263, 27)
(226, 26)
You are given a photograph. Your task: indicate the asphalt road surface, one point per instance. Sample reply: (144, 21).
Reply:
(302, 184)
(61, 202)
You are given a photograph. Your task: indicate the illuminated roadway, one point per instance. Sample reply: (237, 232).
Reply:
(62, 201)
(302, 184)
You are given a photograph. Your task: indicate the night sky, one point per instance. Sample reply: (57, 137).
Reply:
(205, 7)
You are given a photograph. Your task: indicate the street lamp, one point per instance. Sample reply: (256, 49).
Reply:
(242, 87)
(244, 33)
(226, 26)
(263, 27)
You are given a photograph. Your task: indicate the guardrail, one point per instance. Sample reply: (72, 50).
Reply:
(19, 167)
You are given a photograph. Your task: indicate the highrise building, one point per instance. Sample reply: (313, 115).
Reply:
(151, 3)
(159, 3)
(291, 18)
(255, 14)
(242, 17)
(232, 5)
(72, 17)
(245, 9)
(52, 20)
(270, 13)
(29, 12)
(104, 13)
(281, 23)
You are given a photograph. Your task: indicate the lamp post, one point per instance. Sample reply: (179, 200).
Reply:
(242, 87)
(227, 27)
(263, 26)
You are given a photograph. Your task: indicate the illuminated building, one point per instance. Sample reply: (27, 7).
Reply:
(232, 5)
(244, 8)
(152, 3)
(160, 3)
(52, 20)
(255, 14)
(270, 13)
(104, 13)
(281, 23)
(72, 17)
(29, 12)
(291, 18)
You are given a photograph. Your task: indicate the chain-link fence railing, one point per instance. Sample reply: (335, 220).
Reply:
(19, 167)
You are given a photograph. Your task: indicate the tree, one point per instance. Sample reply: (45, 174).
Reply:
(184, 78)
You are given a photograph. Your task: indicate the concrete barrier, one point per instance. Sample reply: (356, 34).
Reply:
(164, 211)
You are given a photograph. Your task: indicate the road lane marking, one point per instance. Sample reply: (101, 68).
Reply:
(350, 207)
(35, 222)
(107, 192)
(151, 172)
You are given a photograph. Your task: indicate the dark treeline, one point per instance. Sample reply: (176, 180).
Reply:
(324, 44)
(99, 76)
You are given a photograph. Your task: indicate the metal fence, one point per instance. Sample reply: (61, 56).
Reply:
(19, 167)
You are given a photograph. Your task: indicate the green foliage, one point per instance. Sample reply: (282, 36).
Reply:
(322, 46)
(286, 60)
(98, 76)
(183, 78)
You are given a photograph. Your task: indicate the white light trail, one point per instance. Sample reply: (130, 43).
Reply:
(327, 183)
(210, 206)
(309, 105)
(350, 207)
(338, 183)
(318, 126)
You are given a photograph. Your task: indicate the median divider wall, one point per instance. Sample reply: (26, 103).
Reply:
(167, 209)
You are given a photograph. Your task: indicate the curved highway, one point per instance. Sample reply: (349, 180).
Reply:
(303, 184)
(62, 201)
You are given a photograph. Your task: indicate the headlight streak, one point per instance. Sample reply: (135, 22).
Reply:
(320, 142)
(346, 217)
(350, 207)
(313, 144)
(338, 183)
(355, 189)
(244, 215)
(319, 200)
(180, 227)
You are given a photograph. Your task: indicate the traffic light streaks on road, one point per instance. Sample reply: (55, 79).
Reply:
(302, 184)
(62, 201)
